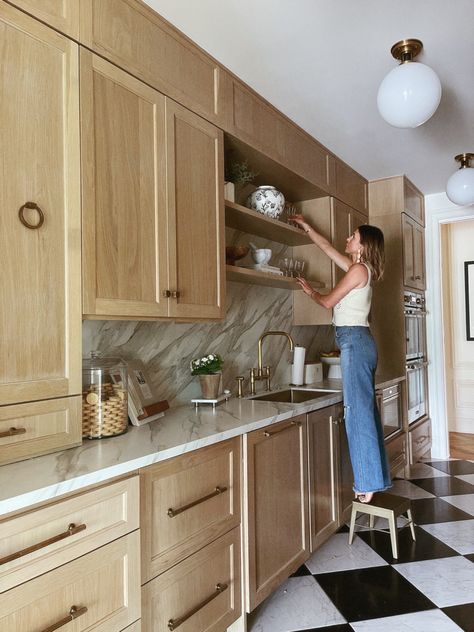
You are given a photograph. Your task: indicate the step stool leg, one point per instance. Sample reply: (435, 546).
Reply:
(352, 525)
(412, 526)
(371, 521)
(392, 522)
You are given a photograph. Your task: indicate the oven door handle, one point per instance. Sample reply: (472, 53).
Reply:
(416, 367)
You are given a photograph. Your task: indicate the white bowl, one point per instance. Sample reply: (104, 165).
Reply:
(334, 372)
(262, 255)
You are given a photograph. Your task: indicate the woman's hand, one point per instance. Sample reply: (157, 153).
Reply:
(299, 220)
(305, 286)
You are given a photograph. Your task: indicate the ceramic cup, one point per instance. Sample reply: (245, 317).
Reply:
(261, 255)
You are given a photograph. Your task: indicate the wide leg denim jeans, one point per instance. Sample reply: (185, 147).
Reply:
(362, 418)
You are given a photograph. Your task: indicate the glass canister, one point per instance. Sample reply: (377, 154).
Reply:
(104, 397)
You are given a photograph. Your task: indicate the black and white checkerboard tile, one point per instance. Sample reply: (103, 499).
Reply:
(362, 588)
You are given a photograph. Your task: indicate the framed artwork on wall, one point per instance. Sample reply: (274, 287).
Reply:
(469, 298)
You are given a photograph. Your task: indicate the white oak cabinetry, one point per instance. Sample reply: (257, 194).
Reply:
(63, 16)
(152, 217)
(419, 439)
(74, 559)
(190, 519)
(276, 506)
(40, 318)
(413, 253)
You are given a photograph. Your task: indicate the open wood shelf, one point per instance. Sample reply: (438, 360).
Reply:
(250, 221)
(254, 277)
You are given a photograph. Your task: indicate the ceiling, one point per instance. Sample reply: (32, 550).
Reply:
(321, 62)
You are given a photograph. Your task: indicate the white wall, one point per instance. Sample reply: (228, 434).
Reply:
(439, 210)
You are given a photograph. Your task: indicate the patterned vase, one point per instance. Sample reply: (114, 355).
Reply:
(210, 385)
(267, 200)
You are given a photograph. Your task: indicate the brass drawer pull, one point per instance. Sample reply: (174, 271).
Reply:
(11, 432)
(267, 433)
(175, 623)
(71, 530)
(166, 294)
(174, 512)
(32, 206)
(175, 294)
(74, 613)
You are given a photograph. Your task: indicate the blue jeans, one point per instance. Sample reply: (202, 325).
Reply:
(363, 424)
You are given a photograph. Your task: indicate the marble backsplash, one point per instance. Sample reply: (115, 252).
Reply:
(166, 348)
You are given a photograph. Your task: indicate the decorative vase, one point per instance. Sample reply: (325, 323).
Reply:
(267, 200)
(229, 191)
(210, 385)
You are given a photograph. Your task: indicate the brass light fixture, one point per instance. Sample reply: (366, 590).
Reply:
(410, 94)
(460, 186)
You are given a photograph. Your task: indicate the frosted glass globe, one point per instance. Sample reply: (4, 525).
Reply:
(460, 186)
(409, 95)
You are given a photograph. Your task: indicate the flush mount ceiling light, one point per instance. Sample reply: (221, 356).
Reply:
(411, 92)
(460, 186)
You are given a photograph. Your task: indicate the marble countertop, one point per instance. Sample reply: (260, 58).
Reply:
(181, 430)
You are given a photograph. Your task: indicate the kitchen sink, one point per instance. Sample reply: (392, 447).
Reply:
(294, 395)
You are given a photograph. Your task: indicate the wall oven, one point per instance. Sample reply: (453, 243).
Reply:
(415, 317)
(416, 388)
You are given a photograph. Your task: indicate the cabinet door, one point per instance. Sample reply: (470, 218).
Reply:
(277, 506)
(63, 16)
(322, 438)
(341, 229)
(414, 203)
(347, 185)
(413, 253)
(124, 193)
(419, 256)
(196, 236)
(40, 313)
(345, 492)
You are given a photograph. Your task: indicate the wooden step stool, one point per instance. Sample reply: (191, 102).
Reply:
(385, 506)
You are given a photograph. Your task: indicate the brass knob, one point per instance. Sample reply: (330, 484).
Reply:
(166, 294)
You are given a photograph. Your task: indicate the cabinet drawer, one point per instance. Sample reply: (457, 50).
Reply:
(106, 582)
(100, 516)
(181, 509)
(28, 430)
(420, 440)
(200, 593)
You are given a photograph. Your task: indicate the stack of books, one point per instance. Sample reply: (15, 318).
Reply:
(264, 267)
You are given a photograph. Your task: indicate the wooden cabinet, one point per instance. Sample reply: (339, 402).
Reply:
(345, 494)
(397, 453)
(419, 439)
(153, 236)
(275, 474)
(137, 39)
(414, 202)
(103, 587)
(203, 592)
(63, 16)
(186, 502)
(40, 252)
(413, 253)
(347, 185)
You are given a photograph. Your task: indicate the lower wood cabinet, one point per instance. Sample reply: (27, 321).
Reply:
(276, 501)
(346, 477)
(101, 590)
(200, 594)
(419, 440)
(396, 453)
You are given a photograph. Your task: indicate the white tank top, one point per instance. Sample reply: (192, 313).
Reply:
(353, 309)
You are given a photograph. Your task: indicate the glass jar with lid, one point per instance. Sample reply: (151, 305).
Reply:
(104, 397)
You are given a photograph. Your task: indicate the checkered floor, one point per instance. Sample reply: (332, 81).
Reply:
(430, 588)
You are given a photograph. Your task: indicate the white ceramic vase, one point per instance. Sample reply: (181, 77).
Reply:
(267, 200)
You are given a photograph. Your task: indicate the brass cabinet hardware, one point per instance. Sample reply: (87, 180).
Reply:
(240, 379)
(74, 613)
(166, 294)
(11, 432)
(174, 512)
(35, 207)
(267, 433)
(175, 623)
(175, 294)
(71, 530)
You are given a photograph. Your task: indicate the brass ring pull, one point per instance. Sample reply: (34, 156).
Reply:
(74, 613)
(35, 207)
(174, 512)
(11, 432)
(175, 623)
(71, 530)
(292, 423)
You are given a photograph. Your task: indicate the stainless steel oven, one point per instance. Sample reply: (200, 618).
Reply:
(415, 316)
(416, 388)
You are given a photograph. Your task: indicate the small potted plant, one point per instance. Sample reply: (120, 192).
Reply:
(209, 370)
(238, 176)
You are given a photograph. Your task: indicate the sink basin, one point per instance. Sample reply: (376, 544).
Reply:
(294, 395)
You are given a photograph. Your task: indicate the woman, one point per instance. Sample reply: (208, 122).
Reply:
(350, 300)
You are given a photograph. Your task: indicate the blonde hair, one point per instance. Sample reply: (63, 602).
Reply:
(372, 239)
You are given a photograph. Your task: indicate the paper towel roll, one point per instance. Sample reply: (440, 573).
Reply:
(297, 370)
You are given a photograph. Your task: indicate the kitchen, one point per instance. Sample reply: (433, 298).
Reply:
(125, 272)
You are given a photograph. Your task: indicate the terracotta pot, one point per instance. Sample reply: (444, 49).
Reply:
(210, 385)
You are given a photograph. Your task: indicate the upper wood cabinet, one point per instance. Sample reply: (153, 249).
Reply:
(396, 195)
(62, 15)
(347, 185)
(40, 247)
(414, 202)
(136, 38)
(413, 253)
(275, 471)
(152, 201)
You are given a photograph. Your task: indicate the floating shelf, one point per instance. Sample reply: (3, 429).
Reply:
(250, 221)
(254, 277)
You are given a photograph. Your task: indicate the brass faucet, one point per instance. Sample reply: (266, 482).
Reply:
(261, 372)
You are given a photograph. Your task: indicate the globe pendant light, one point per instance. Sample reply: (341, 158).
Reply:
(410, 93)
(460, 186)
